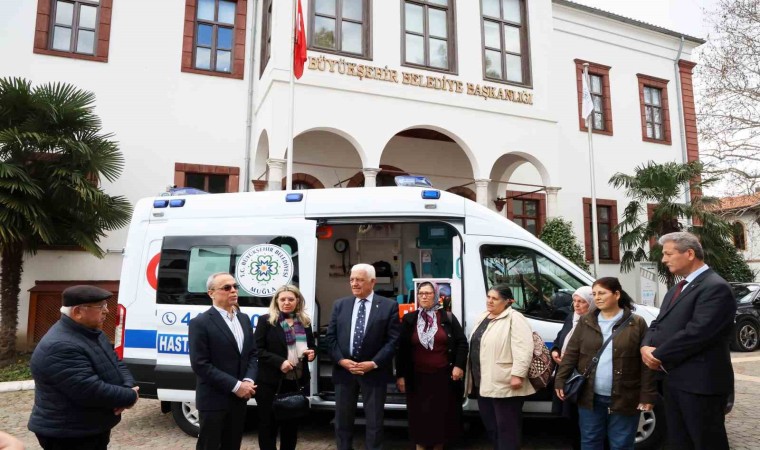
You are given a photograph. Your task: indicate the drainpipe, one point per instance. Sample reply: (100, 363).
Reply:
(682, 119)
(249, 109)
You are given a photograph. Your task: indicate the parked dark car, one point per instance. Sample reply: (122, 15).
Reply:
(747, 337)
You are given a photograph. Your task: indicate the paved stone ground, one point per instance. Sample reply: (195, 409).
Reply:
(144, 426)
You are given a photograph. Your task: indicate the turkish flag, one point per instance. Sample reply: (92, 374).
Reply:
(299, 51)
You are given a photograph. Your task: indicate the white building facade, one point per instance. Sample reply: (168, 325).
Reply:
(483, 97)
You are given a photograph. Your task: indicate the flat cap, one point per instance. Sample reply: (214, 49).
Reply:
(83, 293)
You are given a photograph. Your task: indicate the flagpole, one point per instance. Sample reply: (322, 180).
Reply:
(594, 224)
(289, 163)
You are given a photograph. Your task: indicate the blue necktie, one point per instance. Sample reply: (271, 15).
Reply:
(361, 317)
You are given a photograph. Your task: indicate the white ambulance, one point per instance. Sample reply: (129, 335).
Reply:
(311, 238)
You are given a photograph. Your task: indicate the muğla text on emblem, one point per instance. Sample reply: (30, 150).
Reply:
(263, 268)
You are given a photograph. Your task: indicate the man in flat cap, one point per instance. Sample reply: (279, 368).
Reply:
(80, 387)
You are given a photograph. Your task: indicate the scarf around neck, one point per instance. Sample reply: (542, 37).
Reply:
(427, 326)
(295, 333)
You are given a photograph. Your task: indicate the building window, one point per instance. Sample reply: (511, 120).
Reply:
(505, 41)
(214, 35)
(428, 32)
(303, 181)
(78, 29)
(655, 117)
(214, 41)
(266, 35)
(527, 210)
(601, 121)
(212, 179)
(607, 220)
(653, 106)
(738, 234)
(340, 26)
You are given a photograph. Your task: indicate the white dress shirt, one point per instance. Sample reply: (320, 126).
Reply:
(355, 313)
(237, 331)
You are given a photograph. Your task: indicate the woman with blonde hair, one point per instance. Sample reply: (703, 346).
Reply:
(284, 344)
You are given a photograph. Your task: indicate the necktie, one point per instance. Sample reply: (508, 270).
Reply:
(679, 288)
(361, 317)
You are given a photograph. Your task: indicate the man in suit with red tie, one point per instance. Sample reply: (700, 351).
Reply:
(689, 345)
(222, 357)
(362, 338)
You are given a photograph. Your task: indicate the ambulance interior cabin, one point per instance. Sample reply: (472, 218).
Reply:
(400, 252)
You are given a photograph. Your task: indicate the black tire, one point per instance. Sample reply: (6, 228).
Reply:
(652, 428)
(186, 417)
(746, 336)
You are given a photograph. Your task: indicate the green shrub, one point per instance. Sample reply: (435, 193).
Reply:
(558, 234)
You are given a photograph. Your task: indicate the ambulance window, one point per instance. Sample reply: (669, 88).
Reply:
(260, 264)
(541, 287)
(203, 262)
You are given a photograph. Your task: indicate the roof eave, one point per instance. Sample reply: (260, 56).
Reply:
(628, 20)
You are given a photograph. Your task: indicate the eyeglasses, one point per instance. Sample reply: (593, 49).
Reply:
(425, 294)
(102, 307)
(228, 287)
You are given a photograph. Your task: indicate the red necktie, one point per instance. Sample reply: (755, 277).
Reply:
(679, 288)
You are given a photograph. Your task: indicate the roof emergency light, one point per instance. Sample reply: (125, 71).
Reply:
(294, 197)
(412, 181)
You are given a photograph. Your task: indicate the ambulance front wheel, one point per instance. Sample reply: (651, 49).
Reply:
(186, 417)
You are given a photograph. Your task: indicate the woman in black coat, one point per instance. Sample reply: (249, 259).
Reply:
(430, 366)
(583, 302)
(284, 344)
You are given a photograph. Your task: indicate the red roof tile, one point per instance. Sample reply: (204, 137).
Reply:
(742, 201)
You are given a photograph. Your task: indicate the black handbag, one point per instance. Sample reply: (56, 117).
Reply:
(290, 405)
(574, 384)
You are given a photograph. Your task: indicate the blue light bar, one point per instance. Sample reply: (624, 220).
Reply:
(294, 197)
(160, 203)
(429, 194)
(177, 203)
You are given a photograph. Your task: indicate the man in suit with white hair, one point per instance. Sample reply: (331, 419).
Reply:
(362, 338)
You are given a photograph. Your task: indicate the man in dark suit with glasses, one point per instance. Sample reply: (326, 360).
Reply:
(222, 357)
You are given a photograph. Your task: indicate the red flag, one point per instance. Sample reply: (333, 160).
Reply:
(299, 51)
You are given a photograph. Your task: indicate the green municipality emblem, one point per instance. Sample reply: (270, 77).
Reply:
(263, 268)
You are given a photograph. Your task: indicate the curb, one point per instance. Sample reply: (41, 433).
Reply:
(11, 386)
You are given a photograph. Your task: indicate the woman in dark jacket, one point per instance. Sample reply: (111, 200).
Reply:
(430, 366)
(583, 302)
(621, 386)
(284, 344)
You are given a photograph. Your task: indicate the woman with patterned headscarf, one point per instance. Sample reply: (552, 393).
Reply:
(430, 366)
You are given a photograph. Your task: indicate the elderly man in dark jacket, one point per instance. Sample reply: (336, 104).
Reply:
(81, 388)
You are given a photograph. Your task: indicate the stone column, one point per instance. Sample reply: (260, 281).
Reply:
(481, 191)
(276, 172)
(552, 209)
(370, 176)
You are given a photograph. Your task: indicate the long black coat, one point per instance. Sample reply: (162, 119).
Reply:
(272, 351)
(78, 382)
(692, 335)
(216, 360)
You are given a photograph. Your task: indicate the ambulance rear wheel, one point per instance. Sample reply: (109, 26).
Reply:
(186, 417)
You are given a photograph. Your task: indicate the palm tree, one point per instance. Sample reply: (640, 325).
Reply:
(662, 186)
(52, 155)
